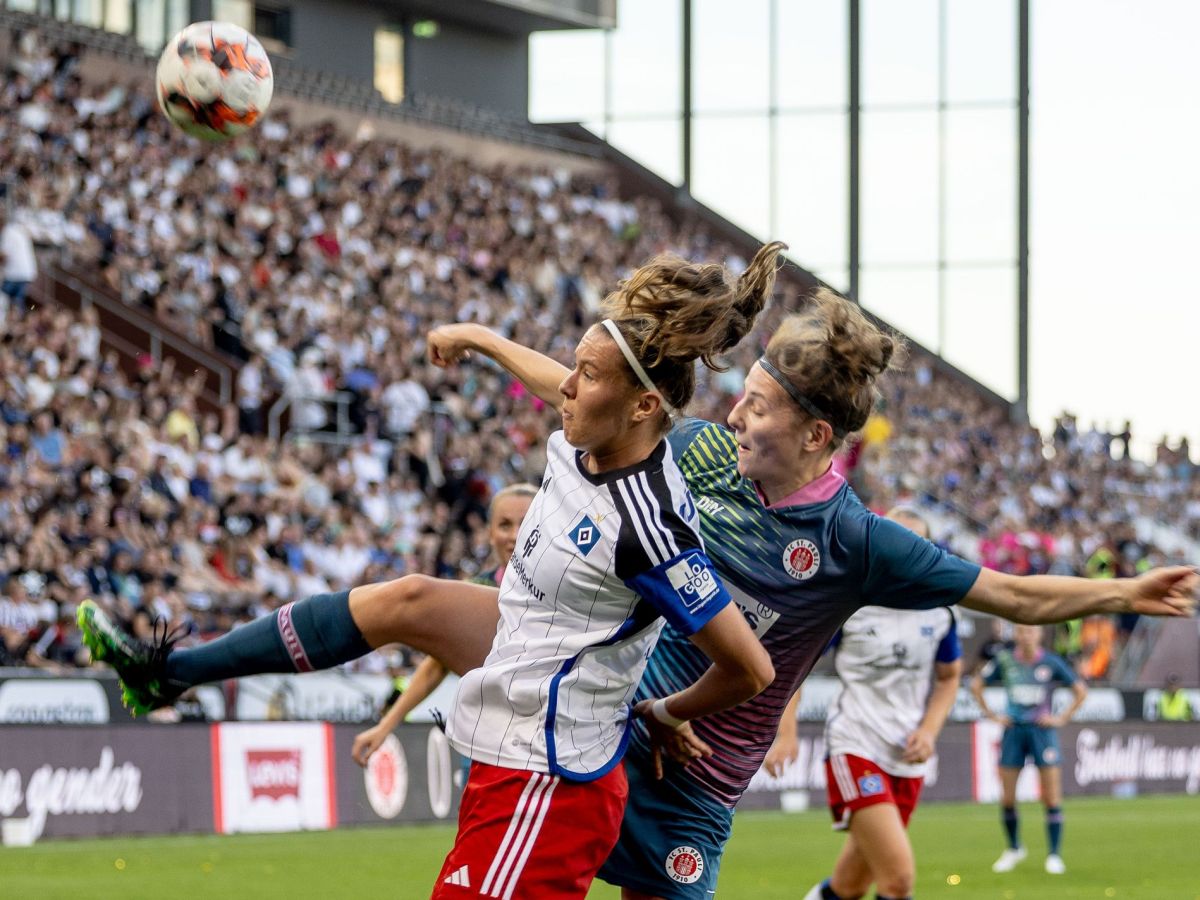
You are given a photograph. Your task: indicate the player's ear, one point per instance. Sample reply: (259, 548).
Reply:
(648, 406)
(816, 435)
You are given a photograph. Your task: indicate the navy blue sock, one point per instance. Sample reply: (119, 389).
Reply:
(1054, 823)
(882, 897)
(828, 893)
(1010, 826)
(314, 633)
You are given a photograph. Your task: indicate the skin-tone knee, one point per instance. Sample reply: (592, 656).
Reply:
(896, 884)
(381, 610)
(851, 877)
(877, 851)
(452, 621)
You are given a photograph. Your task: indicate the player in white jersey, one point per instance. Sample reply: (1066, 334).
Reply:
(618, 556)
(609, 548)
(899, 671)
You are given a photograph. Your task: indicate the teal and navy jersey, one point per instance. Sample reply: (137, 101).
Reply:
(1029, 685)
(797, 573)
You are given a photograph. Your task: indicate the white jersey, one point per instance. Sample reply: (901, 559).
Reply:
(599, 560)
(885, 660)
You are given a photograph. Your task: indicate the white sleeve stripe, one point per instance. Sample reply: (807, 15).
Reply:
(672, 547)
(646, 504)
(654, 548)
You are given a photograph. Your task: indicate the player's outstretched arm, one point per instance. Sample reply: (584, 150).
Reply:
(539, 373)
(427, 676)
(786, 746)
(1044, 599)
(920, 744)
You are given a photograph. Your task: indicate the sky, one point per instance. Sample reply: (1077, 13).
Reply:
(1114, 191)
(1115, 202)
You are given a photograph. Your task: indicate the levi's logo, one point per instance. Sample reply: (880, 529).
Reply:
(273, 773)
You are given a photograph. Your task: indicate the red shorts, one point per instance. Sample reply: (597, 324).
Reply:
(853, 783)
(531, 836)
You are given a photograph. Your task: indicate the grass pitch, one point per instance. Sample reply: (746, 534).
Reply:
(1141, 849)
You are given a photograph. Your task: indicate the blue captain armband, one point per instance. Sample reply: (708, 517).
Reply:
(685, 590)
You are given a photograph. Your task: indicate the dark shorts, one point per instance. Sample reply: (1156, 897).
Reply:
(1026, 740)
(671, 839)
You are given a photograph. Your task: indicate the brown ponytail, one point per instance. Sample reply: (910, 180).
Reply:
(834, 355)
(673, 312)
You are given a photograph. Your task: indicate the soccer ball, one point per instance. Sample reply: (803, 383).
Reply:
(214, 80)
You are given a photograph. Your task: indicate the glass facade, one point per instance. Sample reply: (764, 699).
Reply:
(151, 22)
(771, 118)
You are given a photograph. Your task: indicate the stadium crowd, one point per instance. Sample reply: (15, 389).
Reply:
(320, 260)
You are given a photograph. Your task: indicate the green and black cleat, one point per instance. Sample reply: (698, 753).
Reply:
(139, 664)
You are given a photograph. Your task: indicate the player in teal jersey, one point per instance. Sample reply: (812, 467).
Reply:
(1029, 675)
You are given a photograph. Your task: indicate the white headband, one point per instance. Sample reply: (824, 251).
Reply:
(623, 346)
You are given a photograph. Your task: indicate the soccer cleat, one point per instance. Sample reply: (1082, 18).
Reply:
(1008, 860)
(138, 664)
(1055, 865)
(815, 893)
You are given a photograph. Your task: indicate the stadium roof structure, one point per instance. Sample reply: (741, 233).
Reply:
(518, 16)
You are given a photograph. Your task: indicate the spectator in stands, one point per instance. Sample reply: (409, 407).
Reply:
(1174, 705)
(48, 440)
(250, 396)
(1098, 638)
(18, 261)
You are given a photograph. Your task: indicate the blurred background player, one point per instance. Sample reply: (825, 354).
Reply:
(880, 734)
(505, 514)
(1029, 675)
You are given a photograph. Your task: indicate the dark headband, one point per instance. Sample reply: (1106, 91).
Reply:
(800, 400)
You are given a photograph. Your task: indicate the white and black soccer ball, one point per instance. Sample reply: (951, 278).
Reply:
(214, 80)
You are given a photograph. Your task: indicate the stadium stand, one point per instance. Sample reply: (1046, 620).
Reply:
(311, 262)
